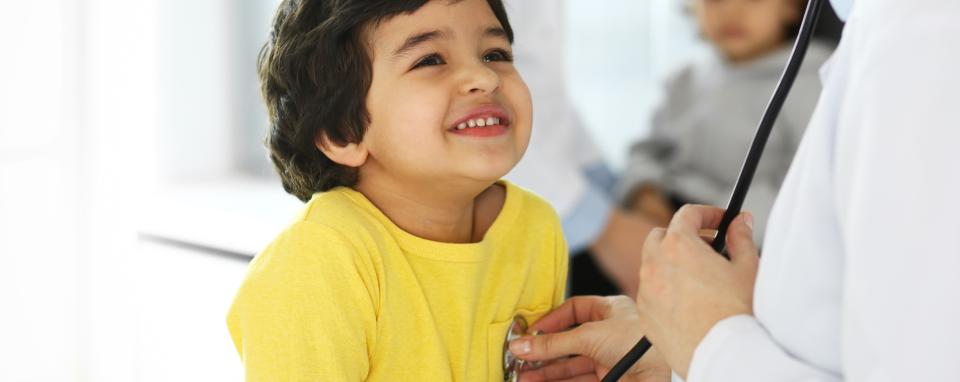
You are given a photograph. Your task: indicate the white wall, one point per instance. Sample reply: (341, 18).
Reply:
(196, 120)
(118, 164)
(82, 145)
(39, 217)
(183, 299)
(618, 53)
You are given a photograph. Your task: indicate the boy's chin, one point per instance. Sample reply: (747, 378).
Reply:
(490, 174)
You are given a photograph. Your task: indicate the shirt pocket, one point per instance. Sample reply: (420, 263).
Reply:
(497, 338)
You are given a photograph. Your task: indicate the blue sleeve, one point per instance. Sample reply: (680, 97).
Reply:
(588, 217)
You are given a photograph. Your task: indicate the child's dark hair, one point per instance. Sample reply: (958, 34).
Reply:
(315, 72)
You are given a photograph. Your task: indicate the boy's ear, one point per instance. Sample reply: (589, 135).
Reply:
(350, 155)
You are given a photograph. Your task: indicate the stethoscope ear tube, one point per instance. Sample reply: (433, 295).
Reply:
(811, 15)
(749, 168)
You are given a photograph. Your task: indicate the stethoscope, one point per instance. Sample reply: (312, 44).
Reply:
(512, 365)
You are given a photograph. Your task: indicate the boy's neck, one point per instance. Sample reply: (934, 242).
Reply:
(459, 213)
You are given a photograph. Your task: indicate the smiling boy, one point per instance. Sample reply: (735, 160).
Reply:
(394, 121)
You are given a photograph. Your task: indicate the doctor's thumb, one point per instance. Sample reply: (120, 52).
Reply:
(740, 243)
(547, 346)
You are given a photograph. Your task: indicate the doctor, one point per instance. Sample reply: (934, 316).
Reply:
(860, 277)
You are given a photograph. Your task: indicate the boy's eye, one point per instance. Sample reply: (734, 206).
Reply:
(497, 55)
(430, 60)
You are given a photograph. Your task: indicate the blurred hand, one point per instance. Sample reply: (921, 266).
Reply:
(619, 247)
(686, 287)
(609, 327)
(650, 202)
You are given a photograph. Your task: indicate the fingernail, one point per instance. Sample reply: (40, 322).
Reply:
(520, 347)
(749, 220)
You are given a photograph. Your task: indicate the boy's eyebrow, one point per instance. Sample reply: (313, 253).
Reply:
(413, 41)
(496, 32)
(420, 38)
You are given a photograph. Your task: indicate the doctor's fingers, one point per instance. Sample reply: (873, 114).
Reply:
(567, 369)
(650, 252)
(581, 309)
(655, 262)
(554, 345)
(743, 251)
(692, 218)
(605, 342)
(611, 327)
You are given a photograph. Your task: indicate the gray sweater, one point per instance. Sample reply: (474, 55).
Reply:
(701, 133)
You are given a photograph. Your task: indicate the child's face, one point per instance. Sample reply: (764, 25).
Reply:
(745, 29)
(445, 66)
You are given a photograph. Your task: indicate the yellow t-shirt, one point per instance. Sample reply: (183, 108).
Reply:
(345, 295)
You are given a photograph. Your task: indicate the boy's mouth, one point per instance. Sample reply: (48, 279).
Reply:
(486, 121)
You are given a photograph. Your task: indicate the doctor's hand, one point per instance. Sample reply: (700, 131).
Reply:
(608, 328)
(686, 287)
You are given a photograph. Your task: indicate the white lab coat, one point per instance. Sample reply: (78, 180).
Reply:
(860, 275)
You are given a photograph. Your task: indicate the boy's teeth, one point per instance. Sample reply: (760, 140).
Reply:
(479, 122)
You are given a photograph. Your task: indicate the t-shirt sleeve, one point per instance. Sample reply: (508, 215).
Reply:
(307, 310)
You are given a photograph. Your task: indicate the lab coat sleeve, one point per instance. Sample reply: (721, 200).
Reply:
(740, 349)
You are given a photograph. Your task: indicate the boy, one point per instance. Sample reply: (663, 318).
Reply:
(394, 120)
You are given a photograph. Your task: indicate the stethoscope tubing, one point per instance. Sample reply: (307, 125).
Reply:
(750, 163)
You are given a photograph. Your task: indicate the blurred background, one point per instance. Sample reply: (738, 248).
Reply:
(134, 186)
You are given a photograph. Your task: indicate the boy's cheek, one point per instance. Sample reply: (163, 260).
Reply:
(521, 100)
(414, 113)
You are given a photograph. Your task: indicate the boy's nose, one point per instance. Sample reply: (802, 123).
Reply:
(479, 78)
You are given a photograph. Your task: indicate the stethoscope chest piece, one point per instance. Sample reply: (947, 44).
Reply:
(511, 364)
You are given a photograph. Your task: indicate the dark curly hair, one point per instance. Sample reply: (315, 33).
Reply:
(314, 75)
